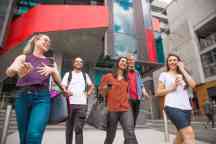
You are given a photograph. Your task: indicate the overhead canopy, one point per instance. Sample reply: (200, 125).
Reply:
(74, 30)
(49, 18)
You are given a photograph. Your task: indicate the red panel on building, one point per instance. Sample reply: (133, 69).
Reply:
(150, 44)
(46, 18)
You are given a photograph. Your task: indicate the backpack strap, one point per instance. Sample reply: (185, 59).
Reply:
(84, 76)
(69, 78)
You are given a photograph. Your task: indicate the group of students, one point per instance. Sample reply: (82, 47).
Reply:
(123, 88)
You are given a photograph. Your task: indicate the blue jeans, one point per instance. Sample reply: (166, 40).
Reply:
(32, 113)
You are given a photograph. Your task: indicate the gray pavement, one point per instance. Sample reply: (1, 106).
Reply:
(93, 136)
(202, 133)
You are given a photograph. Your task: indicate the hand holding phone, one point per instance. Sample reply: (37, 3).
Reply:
(180, 64)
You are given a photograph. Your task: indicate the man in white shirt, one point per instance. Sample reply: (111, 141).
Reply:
(78, 86)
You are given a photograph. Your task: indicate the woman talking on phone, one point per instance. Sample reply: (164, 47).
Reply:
(173, 85)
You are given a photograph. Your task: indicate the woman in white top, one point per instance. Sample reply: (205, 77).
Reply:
(172, 85)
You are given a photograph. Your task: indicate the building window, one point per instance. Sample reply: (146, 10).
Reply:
(209, 63)
(123, 28)
(207, 42)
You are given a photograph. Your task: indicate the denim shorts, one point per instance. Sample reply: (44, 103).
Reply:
(180, 118)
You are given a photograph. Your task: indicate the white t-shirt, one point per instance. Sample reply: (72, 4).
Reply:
(178, 98)
(77, 87)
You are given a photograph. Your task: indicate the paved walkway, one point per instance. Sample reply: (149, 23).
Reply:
(93, 136)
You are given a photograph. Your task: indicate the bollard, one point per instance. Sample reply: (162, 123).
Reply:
(166, 133)
(6, 124)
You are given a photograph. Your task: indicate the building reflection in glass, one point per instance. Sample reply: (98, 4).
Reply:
(123, 28)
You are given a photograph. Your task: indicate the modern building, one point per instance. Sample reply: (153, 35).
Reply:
(192, 35)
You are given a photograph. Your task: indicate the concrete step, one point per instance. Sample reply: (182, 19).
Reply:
(12, 118)
(161, 121)
(12, 122)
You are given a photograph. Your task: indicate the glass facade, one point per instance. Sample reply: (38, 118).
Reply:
(209, 63)
(149, 34)
(159, 47)
(147, 14)
(123, 28)
(207, 39)
(24, 5)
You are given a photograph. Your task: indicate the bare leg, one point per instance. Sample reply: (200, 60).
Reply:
(178, 138)
(188, 135)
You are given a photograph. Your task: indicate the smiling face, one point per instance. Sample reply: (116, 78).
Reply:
(172, 62)
(42, 42)
(78, 63)
(131, 62)
(122, 63)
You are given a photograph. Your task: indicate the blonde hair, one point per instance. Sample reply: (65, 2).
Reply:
(31, 44)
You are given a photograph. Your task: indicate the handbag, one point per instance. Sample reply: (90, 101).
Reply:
(54, 93)
(98, 115)
(59, 105)
(58, 109)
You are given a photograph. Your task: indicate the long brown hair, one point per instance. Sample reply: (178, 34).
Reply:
(178, 70)
(117, 67)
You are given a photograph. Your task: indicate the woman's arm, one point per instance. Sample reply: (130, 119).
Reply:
(16, 66)
(162, 91)
(187, 76)
(145, 93)
(103, 87)
(56, 76)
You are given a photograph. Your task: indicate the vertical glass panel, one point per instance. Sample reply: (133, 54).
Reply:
(123, 28)
(124, 44)
(147, 14)
(159, 47)
(123, 16)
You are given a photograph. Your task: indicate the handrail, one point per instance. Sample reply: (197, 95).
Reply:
(6, 124)
(166, 132)
(4, 97)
